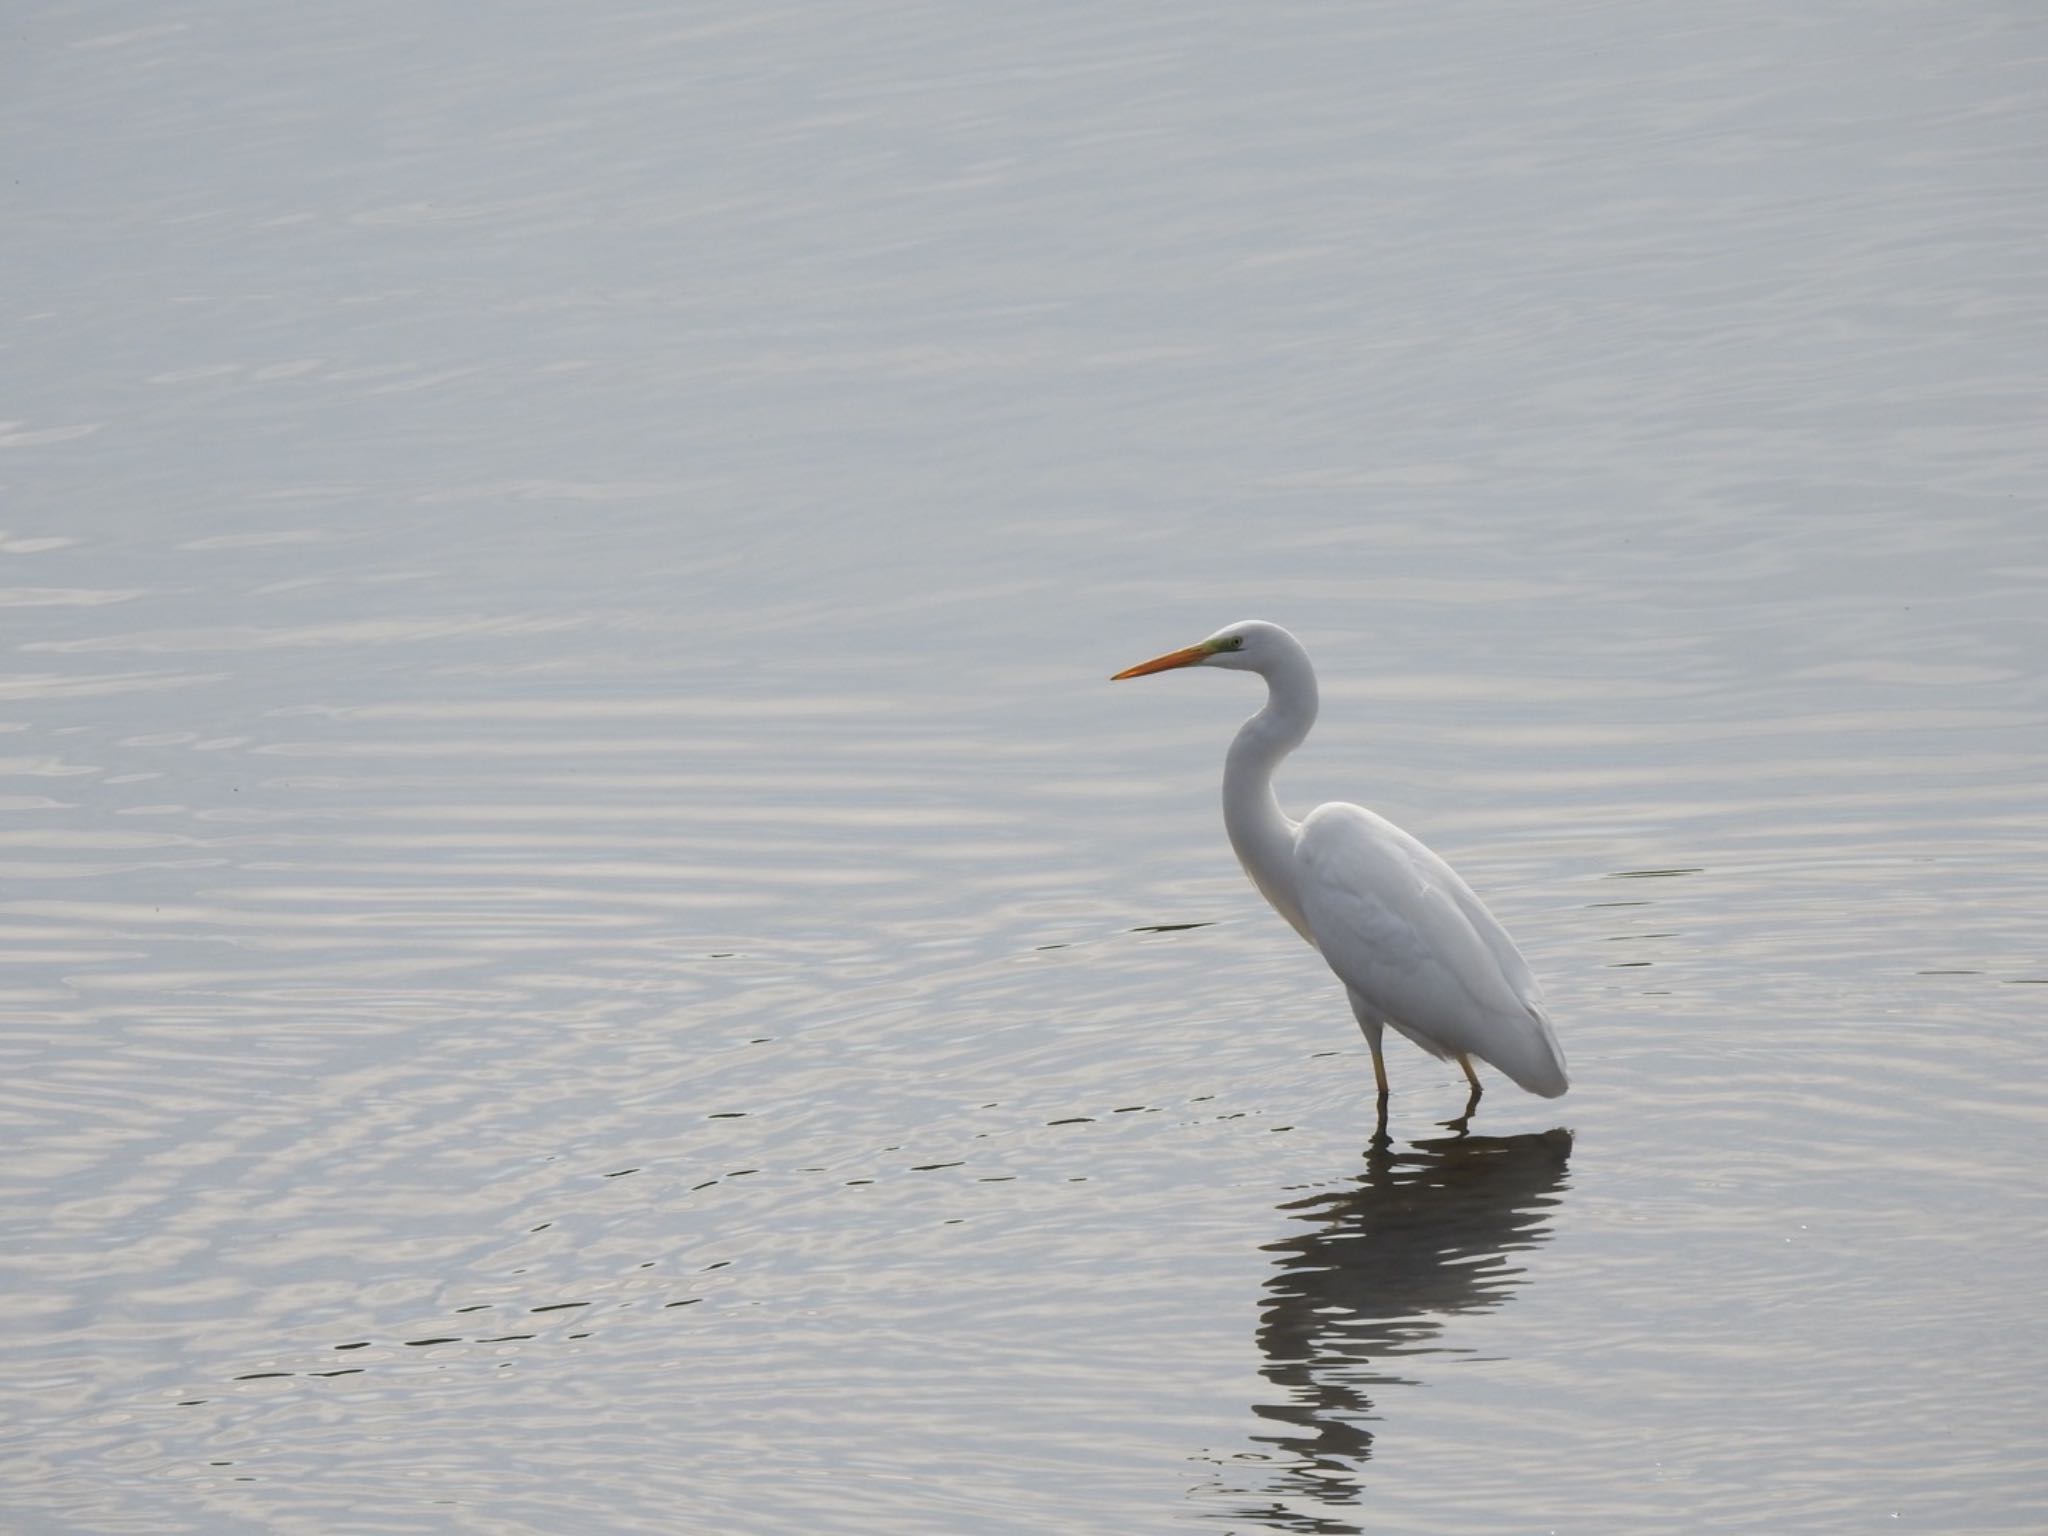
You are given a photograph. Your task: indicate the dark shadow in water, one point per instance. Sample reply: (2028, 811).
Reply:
(1384, 1261)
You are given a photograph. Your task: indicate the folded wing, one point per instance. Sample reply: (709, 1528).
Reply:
(1401, 930)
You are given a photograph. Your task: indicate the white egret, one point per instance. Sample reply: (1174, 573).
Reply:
(1416, 950)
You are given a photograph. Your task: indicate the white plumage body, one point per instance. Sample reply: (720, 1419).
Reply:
(1417, 950)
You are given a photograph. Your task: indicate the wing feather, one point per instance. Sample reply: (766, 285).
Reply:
(1402, 931)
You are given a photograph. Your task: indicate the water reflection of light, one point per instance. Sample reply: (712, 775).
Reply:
(1380, 1263)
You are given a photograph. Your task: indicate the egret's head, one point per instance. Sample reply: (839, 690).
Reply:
(1251, 645)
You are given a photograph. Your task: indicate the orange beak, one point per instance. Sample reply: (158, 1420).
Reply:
(1166, 663)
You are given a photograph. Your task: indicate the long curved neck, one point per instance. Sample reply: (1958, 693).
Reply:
(1260, 833)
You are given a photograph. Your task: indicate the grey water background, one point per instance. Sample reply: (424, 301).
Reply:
(585, 945)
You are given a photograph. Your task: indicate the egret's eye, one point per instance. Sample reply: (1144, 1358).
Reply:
(1236, 642)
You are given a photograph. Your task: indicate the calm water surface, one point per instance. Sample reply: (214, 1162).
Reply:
(585, 946)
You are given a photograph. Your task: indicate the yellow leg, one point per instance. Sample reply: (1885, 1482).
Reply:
(1370, 1026)
(1464, 1121)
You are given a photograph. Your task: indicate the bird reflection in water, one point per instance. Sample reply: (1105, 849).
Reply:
(1382, 1262)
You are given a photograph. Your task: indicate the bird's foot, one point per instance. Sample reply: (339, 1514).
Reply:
(1463, 1122)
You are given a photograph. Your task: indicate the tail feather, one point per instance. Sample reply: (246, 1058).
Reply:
(1538, 1063)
